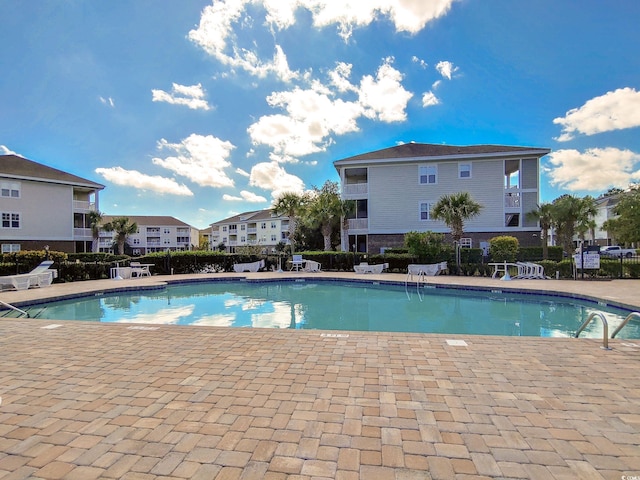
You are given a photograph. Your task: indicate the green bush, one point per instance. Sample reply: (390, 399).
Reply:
(503, 248)
(425, 246)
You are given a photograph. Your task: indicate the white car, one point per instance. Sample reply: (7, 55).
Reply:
(617, 251)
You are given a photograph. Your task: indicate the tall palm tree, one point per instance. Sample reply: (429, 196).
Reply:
(544, 215)
(347, 209)
(122, 227)
(587, 210)
(324, 210)
(290, 204)
(572, 215)
(94, 218)
(454, 210)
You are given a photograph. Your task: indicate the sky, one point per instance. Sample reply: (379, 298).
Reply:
(202, 109)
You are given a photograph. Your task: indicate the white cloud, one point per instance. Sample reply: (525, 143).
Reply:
(134, 178)
(201, 159)
(271, 176)
(191, 96)
(107, 101)
(446, 69)
(614, 110)
(419, 61)
(339, 77)
(6, 151)
(384, 97)
(242, 172)
(429, 99)
(216, 32)
(245, 196)
(595, 169)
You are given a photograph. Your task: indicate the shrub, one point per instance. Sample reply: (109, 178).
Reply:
(503, 248)
(425, 246)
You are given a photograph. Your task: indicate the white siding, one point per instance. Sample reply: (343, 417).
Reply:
(395, 194)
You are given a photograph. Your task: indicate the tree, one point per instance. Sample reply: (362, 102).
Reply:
(544, 215)
(625, 228)
(454, 210)
(94, 219)
(348, 208)
(324, 210)
(290, 204)
(572, 215)
(122, 227)
(587, 211)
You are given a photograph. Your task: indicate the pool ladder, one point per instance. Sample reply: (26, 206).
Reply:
(8, 305)
(605, 326)
(421, 278)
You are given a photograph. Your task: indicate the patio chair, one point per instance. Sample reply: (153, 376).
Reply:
(297, 262)
(248, 267)
(364, 267)
(139, 270)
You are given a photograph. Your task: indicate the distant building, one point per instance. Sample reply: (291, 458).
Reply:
(395, 190)
(261, 227)
(40, 205)
(155, 234)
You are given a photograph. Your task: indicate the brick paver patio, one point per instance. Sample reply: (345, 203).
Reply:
(84, 401)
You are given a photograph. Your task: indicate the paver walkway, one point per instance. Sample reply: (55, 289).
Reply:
(84, 401)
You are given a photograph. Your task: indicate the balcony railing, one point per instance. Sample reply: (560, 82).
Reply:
(355, 189)
(358, 223)
(82, 234)
(512, 200)
(83, 205)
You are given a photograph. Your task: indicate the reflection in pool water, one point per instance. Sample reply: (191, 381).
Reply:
(331, 305)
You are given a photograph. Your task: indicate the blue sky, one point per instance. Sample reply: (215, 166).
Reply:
(203, 109)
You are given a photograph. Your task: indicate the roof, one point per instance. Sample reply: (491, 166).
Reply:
(252, 216)
(149, 220)
(434, 151)
(19, 168)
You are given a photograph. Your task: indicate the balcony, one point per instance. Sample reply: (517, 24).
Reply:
(355, 189)
(82, 234)
(358, 224)
(83, 206)
(512, 200)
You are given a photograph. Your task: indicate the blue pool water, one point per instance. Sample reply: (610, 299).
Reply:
(343, 306)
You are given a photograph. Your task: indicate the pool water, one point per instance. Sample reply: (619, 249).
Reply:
(343, 306)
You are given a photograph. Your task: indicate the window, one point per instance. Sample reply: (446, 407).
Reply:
(466, 242)
(10, 247)
(167, 231)
(10, 190)
(10, 220)
(428, 174)
(243, 227)
(224, 228)
(464, 170)
(273, 238)
(273, 224)
(425, 210)
(263, 225)
(136, 241)
(243, 239)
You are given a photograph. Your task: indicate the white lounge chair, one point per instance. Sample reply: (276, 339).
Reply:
(429, 269)
(312, 266)
(364, 267)
(530, 270)
(248, 267)
(41, 276)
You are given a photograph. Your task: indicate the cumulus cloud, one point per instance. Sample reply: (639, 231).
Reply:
(201, 159)
(595, 169)
(191, 96)
(245, 196)
(216, 32)
(614, 110)
(429, 99)
(446, 69)
(271, 176)
(136, 179)
(384, 97)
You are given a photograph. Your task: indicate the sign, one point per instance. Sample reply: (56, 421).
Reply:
(590, 260)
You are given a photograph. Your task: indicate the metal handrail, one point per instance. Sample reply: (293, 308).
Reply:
(605, 327)
(8, 305)
(624, 322)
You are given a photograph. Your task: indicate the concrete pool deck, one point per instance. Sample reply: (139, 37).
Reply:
(81, 400)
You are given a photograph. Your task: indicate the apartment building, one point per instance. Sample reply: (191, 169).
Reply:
(40, 206)
(395, 189)
(261, 227)
(155, 234)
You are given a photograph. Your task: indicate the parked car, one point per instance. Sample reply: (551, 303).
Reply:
(617, 251)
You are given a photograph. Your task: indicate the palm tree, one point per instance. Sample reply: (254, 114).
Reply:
(544, 215)
(123, 227)
(347, 209)
(454, 210)
(586, 213)
(94, 218)
(572, 215)
(290, 204)
(324, 210)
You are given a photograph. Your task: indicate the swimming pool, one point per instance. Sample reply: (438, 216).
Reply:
(342, 305)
